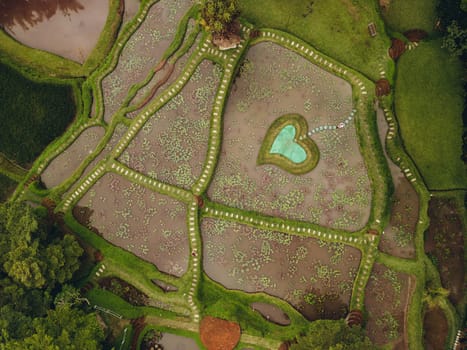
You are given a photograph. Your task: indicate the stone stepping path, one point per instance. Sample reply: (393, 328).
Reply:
(82, 187)
(146, 181)
(215, 139)
(193, 229)
(270, 223)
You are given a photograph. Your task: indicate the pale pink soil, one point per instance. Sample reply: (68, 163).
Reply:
(172, 145)
(282, 265)
(275, 81)
(387, 296)
(150, 225)
(63, 166)
(142, 52)
(398, 236)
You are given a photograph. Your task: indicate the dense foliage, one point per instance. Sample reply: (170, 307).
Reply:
(32, 115)
(218, 15)
(333, 335)
(37, 311)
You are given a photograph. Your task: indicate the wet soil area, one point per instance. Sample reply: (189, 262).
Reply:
(150, 225)
(68, 28)
(435, 329)
(398, 236)
(314, 276)
(275, 81)
(272, 313)
(64, 165)
(172, 145)
(177, 342)
(444, 243)
(387, 297)
(142, 52)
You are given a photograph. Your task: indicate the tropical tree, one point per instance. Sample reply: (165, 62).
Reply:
(333, 335)
(35, 261)
(219, 15)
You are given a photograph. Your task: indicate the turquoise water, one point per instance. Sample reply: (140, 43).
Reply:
(285, 145)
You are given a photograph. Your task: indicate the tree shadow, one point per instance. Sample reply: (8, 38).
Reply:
(28, 13)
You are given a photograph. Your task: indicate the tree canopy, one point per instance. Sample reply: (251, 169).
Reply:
(218, 15)
(37, 310)
(333, 335)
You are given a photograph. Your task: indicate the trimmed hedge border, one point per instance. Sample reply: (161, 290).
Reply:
(309, 146)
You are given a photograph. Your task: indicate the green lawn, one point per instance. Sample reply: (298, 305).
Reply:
(429, 104)
(7, 186)
(402, 15)
(31, 115)
(338, 28)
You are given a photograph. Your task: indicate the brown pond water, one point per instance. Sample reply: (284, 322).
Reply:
(64, 165)
(313, 276)
(435, 328)
(274, 81)
(272, 313)
(68, 28)
(177, 342)
(150, 225)
(387, 297)
(398, 237)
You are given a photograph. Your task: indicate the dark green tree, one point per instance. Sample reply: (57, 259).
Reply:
(36, 260)
(333, 335)
(219, 15)
(456, 39)
(29, 254)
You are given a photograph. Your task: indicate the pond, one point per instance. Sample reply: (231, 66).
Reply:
(68, 28)
(285, 145)
(177, 342)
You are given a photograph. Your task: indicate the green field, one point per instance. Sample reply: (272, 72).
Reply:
(337, 27)
(32, 115)
(429, 103)
(403, 15)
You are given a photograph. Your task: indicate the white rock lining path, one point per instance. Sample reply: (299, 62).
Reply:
(202, 52)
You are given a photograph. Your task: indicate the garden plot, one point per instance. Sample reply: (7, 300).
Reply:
(142, 52)
(63, 166)
(167, 75)
(398, 236)
(172, 145)
(274, 81)
(313, 276)
(150, 225)
(387, 298)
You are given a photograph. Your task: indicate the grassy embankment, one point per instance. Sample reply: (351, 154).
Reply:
(337, 28)
(429, 104)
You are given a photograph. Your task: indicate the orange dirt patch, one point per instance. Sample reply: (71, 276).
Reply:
(218, 334)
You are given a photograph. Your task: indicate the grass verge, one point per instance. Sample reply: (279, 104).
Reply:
(429, 104)
(403, 15)
(32, 114)
(337, 28)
